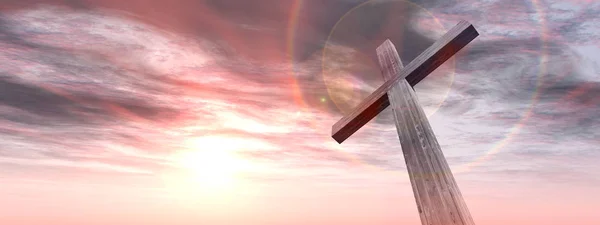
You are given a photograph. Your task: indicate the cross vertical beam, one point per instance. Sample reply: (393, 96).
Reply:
(438, 198)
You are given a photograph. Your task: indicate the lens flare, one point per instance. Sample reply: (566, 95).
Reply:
(344, 90)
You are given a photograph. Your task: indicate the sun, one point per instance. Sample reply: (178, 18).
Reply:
(212, 171)
(210, 166)
(207, 166)
(213, 160)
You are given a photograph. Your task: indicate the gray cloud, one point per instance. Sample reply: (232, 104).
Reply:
(493, 90)
(54, 108)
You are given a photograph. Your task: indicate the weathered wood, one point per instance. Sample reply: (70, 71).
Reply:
(438, 198)
(458, 37)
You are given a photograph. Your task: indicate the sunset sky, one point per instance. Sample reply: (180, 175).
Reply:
(219, 112)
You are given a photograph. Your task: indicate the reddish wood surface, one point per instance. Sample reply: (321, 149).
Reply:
(454, 40)
(438, 198)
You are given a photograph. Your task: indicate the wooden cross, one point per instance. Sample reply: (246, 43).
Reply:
(438, 198)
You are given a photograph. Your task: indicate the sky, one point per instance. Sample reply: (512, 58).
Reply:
(219, 112)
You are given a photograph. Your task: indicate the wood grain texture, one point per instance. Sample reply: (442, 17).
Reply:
(438, 198)
(434, 56)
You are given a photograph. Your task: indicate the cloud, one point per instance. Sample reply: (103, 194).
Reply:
(92, 83)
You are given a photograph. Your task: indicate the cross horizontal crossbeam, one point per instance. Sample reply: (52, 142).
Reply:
(434, 56)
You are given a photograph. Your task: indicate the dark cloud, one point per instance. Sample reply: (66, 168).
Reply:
(19, 4)
(65, 106)
(226, 24)
(35, 100)
(556, 90)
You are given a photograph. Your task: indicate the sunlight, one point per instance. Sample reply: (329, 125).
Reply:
(212, 167)
(209, 169)
(212, 161)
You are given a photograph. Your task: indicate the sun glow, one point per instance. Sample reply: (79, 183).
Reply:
(209, 167)
(213, 160)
